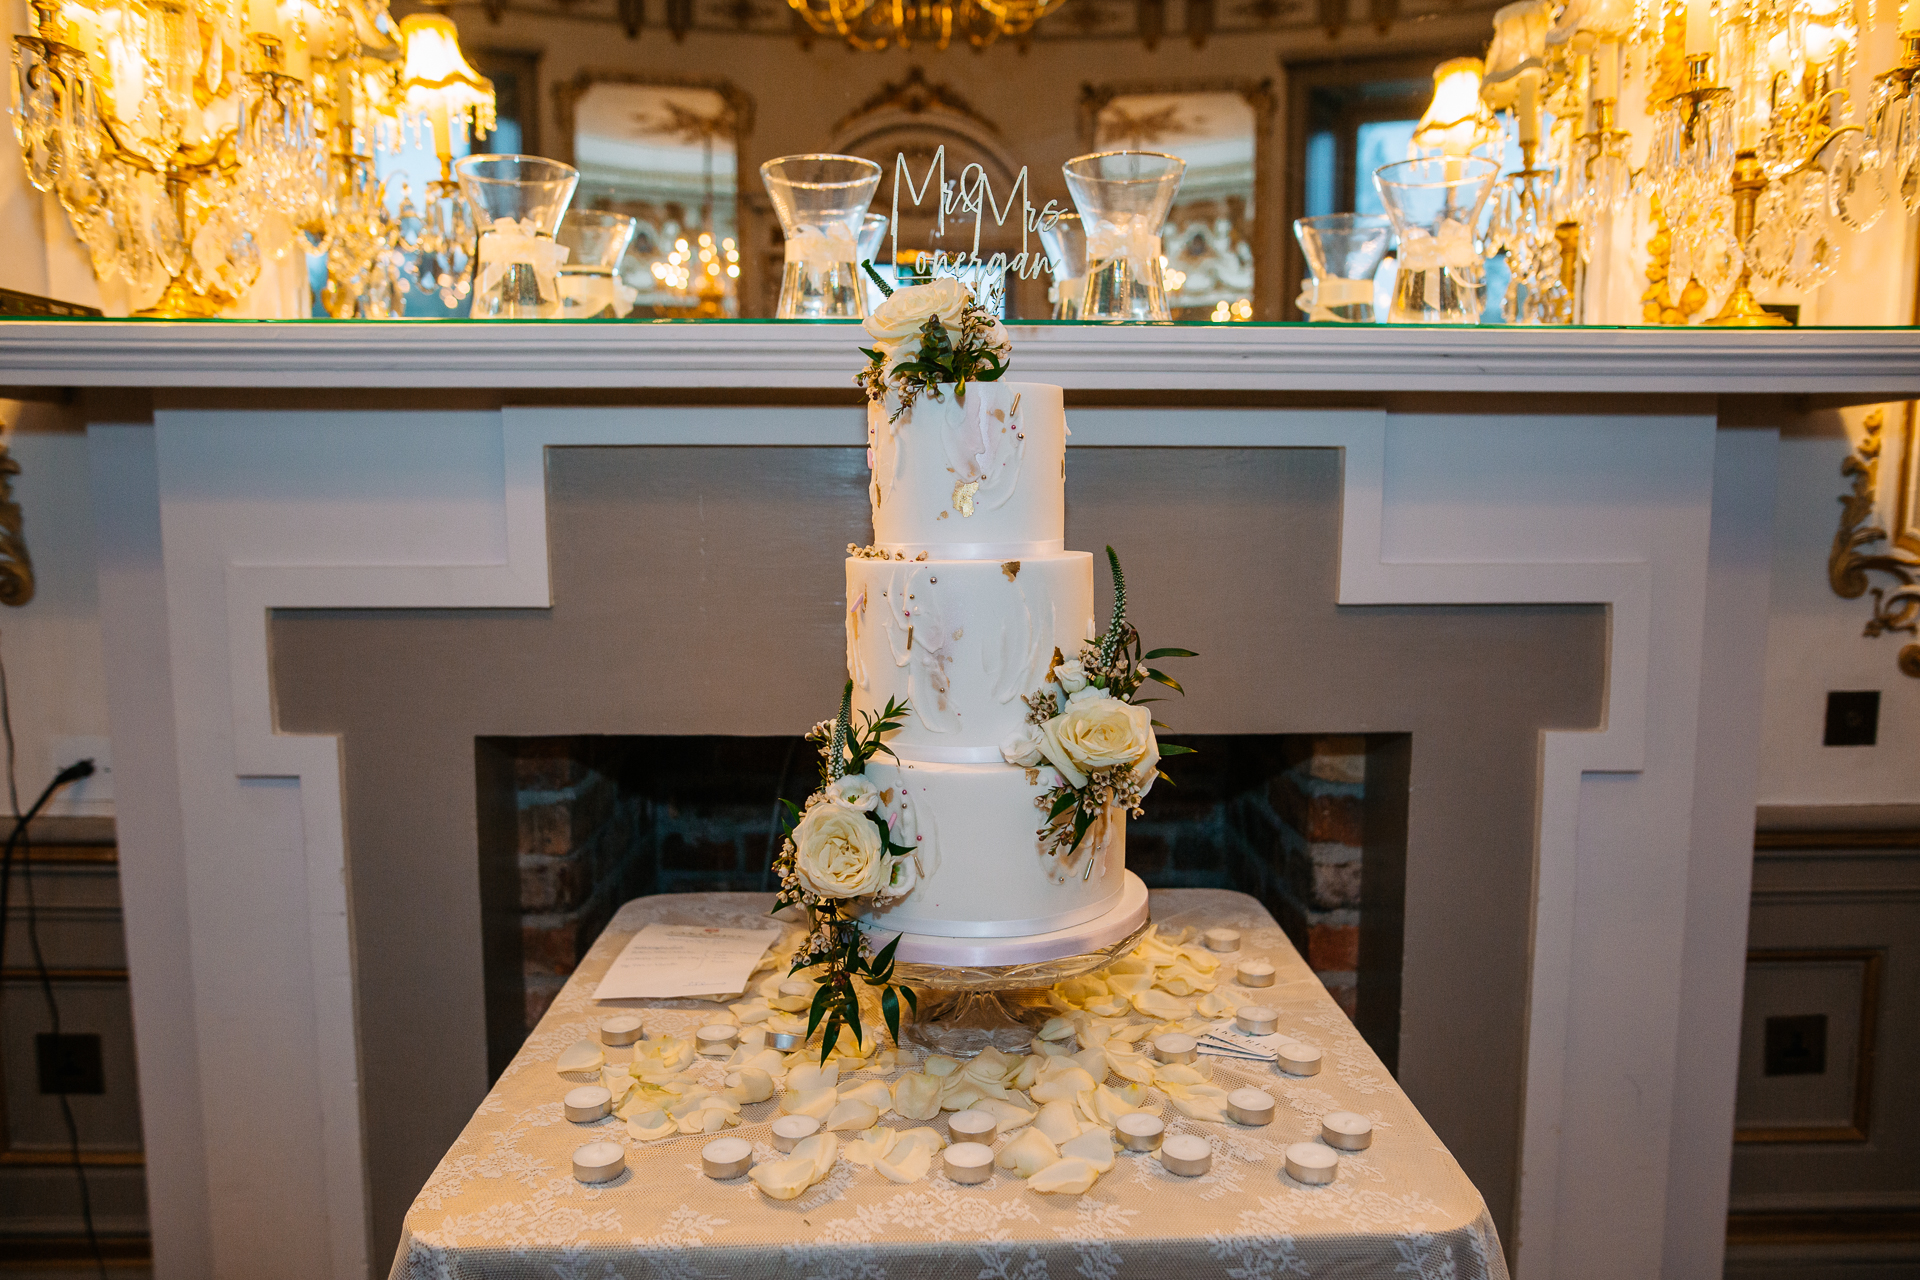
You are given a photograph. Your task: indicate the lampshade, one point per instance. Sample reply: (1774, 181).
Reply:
(1519, 45)
(1585, 23)
(437, 77)
(1456, 122)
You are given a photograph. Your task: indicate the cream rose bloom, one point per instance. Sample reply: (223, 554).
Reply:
(1072, 677)
(857, 791)
(901, 317)
(1099, 733)
(1022, 747)
(837, 852)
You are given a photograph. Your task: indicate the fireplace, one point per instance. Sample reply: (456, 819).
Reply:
(598, 820)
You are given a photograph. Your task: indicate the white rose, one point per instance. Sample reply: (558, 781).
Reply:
(837, 852)
(1022, 748)
(855, 791)
(898, 320)
(1098, 733)
(1091, 693)
(1071, 675)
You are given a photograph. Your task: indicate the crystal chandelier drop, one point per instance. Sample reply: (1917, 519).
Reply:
(883, 24)
(440, 94)
(188, 140)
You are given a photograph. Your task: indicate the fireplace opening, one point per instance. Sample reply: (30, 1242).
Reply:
(1312, 825)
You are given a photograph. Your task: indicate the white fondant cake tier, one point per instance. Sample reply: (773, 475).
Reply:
(1128, 913)
(961, 641)
(982, 479)
(974, 829)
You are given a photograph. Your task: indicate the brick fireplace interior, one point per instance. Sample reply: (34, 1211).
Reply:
(598, 820)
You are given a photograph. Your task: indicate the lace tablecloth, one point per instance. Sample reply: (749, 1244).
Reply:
(503, 1202)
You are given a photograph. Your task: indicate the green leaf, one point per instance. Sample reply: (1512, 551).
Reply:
(1081, 821)
(852, 1006)
(821, 998)
(885, 959)
(1174, 749)
(1166, 680)
(1066, 801)
(913, 1001)
(831, 1038)
(890, 1009)
(1171, 653)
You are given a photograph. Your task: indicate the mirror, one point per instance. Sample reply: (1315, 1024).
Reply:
(667, 154)
(1215, 236)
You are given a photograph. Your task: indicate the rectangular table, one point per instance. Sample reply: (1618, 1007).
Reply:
(503, 1202)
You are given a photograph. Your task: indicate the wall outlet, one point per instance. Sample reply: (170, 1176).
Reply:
(92, 795)
(1853, 718)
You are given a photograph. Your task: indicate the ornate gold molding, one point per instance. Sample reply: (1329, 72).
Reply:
(1849, 566)
(16, 565)
(915, 95)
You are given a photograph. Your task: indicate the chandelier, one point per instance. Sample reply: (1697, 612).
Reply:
(190, 140)
(882, 24)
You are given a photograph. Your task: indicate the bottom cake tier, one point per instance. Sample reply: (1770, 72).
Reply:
(982, 874)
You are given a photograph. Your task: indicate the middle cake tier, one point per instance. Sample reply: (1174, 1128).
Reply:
(961, 642)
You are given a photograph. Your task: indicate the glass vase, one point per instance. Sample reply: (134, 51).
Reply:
(518, 202)
(821, 201)
(1066, 245)
(1123, 198)
(1343, 251)
(590, 284)
(1435, 206)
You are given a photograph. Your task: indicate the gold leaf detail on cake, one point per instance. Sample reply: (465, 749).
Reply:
(1014, 410)
(923, 555)
(909, 637)
(1011, 568)
(1033, 777)
(963, 496)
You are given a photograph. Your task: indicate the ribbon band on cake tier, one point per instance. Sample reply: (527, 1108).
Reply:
(978, 550)
(938, 753)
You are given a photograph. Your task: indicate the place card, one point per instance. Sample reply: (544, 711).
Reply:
(675, 961)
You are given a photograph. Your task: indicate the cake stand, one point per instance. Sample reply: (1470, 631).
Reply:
(969, 1003)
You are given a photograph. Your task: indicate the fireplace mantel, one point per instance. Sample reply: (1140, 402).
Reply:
(1835, 365)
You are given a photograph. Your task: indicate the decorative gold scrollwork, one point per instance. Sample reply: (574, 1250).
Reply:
(16, 566)
(1850, 566)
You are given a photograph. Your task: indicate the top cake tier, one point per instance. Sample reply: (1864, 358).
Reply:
(979, 480)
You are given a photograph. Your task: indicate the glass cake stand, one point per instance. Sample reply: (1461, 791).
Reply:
(965, 1009)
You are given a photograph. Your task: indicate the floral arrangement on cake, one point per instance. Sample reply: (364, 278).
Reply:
(1088, 725)
(839, 850)
(928, 334)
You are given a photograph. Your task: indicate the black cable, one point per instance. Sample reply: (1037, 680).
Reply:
(18, 838)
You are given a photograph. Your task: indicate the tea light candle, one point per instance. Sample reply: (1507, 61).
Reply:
(968, 1162)
(1175, 1047)
(1254, 973)
(717, 1040)
(588, 1103)
(972, 1126)
(790, 1131)
(725, 1158)
(1223, 939)
(1140, 1131)
(1311, 1163)
(1257, 1019)
(1187, 1155)
(785, 1041)
(599, 1162)
(1250, 1106)
(622, 1028)
(1298, 1059)
(1346, 1130)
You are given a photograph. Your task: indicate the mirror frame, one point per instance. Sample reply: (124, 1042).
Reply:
(1879, 532)
(1268, 198)
(566, 102)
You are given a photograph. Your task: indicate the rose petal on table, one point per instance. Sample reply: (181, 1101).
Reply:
(916, 1096)
(821, 1149)
(1217, 1004)
(851, 1113)
(920, 1136)
(1058, 1121)
(581, 1055)
(1065, 1177)
(1110, 1006)
(708, 1119)
(1056, 1029)
(1199, 1101)
(1027, 1154)
(816, 1102)
(908, 1165)
(1199, 957)
(1129, 984)
(651, 1126)
(1108, 1106)
(751, 1011)
(1062, 1085)
(809, 1076)
(941, 1066)
(1027, 1073)
(871, 1146)
(749, 1084)
(1158, 1004)
(957, 1093)
(1178, 1073)
(1129, 1064)
(1095, 1146)
(1007, 1115)
(872, 1092)
(783, 1179)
